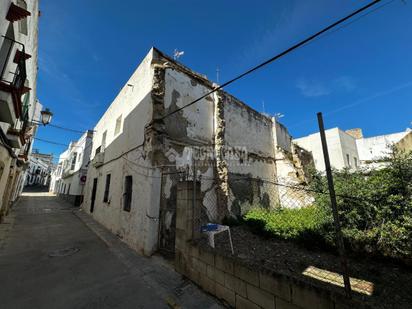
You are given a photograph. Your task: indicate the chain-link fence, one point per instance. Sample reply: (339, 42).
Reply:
(276, 207)
(216, 200)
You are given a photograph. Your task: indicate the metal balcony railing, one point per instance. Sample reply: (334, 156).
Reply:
(13, 77)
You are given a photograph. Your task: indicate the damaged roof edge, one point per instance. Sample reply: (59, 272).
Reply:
(158, 55)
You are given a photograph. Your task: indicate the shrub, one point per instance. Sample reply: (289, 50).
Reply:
(375, 209)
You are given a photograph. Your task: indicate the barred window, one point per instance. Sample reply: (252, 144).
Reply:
(127, 195)
(107, 189)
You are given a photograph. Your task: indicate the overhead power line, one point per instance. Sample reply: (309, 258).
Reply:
(66, 129)
(50, 142)
(290, 49)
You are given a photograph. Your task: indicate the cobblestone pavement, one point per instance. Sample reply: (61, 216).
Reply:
(53, 255)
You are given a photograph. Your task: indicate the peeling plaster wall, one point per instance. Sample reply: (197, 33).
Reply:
(194, 123)
(191, 127)
(283, 140)
(218, 121)
(154, 150)
(244, 127)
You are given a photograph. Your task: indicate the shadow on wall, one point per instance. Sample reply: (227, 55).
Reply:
(123, 157)
(36, 188)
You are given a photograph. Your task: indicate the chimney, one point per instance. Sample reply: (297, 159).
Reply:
(356, 133)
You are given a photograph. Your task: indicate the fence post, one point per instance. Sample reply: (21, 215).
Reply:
(338, 231)
(194, 213)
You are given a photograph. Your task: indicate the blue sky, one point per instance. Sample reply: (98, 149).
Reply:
(359, 76)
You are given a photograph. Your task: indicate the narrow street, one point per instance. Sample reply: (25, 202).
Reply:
(54, 256)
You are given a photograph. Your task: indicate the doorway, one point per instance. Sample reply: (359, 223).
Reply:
(93, 194)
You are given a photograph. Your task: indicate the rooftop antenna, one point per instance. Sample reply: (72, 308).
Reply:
(177, 54)
(278, 116)
(217, 74)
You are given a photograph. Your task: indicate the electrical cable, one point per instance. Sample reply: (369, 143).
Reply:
(67, 129)
(50, 142)
(290, 49)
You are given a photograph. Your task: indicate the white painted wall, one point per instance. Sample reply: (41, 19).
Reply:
(30, 41)
(123, 157)
(377, 147)
(67, 180)
(38, 172)
(340, 144)
(363, 152)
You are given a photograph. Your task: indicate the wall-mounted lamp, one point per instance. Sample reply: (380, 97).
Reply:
(46, 116)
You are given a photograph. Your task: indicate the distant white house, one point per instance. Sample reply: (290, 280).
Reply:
(349, 149)
(374, 150)
(38, 172)
(40, 167)
(69, 177)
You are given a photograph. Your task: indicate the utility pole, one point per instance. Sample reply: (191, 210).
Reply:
(332, 194)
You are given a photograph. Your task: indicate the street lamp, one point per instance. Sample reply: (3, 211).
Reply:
(46, 116)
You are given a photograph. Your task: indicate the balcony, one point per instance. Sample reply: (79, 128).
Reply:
(16, 13)
(12, 80)
(15, 137)
(98, 159)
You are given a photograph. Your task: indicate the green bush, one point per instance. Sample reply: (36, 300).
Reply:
(287, 223)
(375, 209)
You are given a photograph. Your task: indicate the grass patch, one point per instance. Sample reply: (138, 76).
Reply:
(291, 224)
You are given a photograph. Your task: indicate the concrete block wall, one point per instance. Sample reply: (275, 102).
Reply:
(237, 284)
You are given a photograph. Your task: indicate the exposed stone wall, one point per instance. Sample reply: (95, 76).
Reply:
(221, 165)
(405, 144)
(236, 284)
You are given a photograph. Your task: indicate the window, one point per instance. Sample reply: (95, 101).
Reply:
(106, 189)
(104, 141)
(22, 22)
(127, 195)
(355, 160)
(118, 125)
(80, 157)
(73, 161)
(348, 159)
(98, 149)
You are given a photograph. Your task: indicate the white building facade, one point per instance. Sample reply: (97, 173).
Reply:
(38, 173)
(374, 150)
(349, 149)
(69, 177)
(18, 100)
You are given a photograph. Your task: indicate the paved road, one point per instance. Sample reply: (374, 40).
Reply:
(94, 269)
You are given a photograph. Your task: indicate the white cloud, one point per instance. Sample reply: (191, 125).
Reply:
(345, 83)
(312, 88)
(316, 88)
